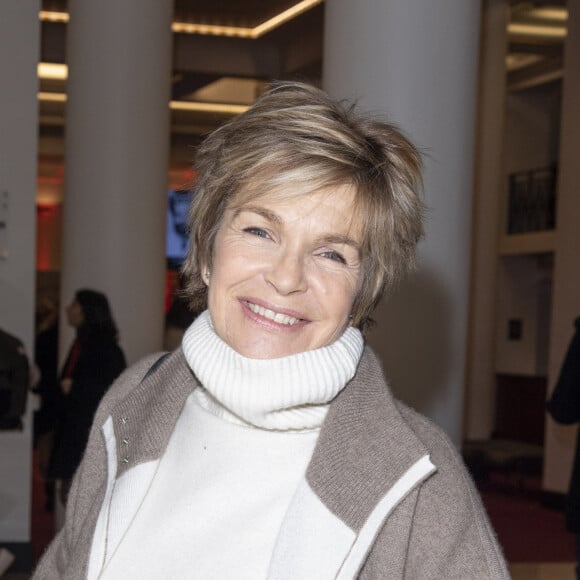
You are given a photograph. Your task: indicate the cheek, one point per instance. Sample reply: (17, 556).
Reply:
(347, 301)
(237, 262)
(343, 284)
(351, 290)
(338, 294)
(229, 271)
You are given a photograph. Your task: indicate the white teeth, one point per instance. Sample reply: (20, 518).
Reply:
(271, 315)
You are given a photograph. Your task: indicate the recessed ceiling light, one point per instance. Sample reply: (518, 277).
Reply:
(52, 71)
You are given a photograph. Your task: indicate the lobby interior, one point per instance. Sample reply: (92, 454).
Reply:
(518, 238)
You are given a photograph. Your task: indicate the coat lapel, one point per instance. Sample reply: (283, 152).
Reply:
(136, 435)
(366, 461)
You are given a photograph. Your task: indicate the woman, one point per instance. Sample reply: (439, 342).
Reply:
(94, 361)
(269, 445)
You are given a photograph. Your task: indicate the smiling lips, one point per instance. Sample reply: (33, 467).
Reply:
(277, 317)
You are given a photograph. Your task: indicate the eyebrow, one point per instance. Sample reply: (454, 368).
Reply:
(272, 217)
(340, 240)
(266, 214)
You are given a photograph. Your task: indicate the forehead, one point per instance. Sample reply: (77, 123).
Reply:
(344, 196)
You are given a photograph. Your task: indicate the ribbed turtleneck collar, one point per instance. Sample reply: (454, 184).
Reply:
(289, 393)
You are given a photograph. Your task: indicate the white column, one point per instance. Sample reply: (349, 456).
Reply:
(18, 147)
(489, 186)
(117, 148)
(561, 441)
(416, 63)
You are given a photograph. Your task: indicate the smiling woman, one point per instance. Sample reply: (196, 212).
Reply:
(269, 444)
(285, 274)
(292, 143)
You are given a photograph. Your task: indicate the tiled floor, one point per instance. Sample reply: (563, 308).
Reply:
(543, 571)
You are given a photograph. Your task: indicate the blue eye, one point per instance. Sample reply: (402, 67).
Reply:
(257, 232)
(332, 255)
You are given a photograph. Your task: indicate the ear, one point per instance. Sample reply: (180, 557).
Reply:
(205, 274)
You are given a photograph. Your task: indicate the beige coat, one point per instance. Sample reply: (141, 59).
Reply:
(385, 495)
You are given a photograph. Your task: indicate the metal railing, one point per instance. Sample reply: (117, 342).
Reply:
(532, 201)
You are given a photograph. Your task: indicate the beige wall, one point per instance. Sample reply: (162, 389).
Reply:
(521, 294)
(517, 131)
(18, 120)
(560, 441)
(532, 127)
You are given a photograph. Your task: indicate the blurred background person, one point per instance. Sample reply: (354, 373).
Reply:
(47, 389)
(564, 406)
(14, 381)
(94, 361)
(178, 318)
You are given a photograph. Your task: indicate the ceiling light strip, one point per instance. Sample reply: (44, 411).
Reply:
(285, 16)
(214, 30)
(536, 80)
(208, 107)
(532, 30)
(53, 16)
(52, 97)
(554, 13)
(52, 71)
(227, 108)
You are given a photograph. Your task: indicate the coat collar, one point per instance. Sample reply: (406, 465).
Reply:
(144, 420)
(364, 448)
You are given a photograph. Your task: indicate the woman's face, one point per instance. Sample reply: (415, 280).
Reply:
(285, 273)
(74, 314)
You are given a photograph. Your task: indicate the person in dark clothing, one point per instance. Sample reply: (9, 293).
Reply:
(14, 381)
(94, 361)
(47, 389)
(46, 360)
(564, 407)
(178, 318)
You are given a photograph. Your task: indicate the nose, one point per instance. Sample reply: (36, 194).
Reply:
(287, 274)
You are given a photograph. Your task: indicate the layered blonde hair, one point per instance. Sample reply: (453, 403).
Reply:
(296, 140)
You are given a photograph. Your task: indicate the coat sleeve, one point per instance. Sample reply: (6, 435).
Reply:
(451, 536)
(67, 556)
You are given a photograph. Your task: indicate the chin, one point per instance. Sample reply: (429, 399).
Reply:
(267, 350)
(266, 353)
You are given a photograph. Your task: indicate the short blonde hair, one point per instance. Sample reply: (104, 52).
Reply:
(296, 140)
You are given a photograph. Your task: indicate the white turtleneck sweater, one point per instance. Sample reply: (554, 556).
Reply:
(239, 449)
